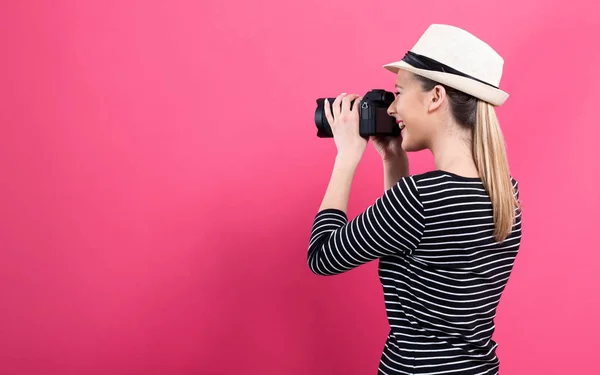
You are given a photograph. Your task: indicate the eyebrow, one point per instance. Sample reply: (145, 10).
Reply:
(398, 86)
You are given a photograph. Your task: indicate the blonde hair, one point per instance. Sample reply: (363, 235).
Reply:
(489, 153)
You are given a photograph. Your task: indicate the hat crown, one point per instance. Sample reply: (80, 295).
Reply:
(462, 51)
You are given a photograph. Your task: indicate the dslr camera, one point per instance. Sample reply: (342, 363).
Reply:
(374, 120)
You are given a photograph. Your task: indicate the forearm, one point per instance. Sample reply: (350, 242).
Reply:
(393, 171)
(338, 190)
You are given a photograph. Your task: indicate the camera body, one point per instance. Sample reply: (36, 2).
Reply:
(374, 120)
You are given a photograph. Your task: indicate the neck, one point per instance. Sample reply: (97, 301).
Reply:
(452, 153)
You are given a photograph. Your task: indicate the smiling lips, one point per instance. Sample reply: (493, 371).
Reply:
(401, 124)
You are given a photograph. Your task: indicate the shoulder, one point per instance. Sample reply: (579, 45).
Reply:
(418, 182)
(436, 185)
(423, 178)
(438, 181)
(412, 186)
(437, 178)
(429, 176)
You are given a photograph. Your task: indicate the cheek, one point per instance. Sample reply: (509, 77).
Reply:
(405, 110)
(401, 108)
(412, 111)
(414, 134)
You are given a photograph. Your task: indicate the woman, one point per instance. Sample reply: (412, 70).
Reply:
(446, 239)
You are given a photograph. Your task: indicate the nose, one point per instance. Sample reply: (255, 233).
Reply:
(390, 109)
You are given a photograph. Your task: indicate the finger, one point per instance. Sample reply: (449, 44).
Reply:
(356, 106)
(346, 102)
(328, 114)
(336, 105)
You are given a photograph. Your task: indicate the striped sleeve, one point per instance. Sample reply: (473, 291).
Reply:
(393, 225)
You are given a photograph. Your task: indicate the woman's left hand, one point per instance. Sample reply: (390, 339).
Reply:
(344, 124)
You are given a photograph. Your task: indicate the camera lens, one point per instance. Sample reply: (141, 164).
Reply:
(323, 127)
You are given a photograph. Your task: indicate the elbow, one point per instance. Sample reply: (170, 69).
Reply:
(318, 267)
(322, 272)
(319, 262)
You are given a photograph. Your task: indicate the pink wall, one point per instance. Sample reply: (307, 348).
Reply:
(160, 171)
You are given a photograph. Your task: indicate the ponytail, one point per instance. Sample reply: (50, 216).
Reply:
(490, 158)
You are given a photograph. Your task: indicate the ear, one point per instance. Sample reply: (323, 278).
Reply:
(437, 96)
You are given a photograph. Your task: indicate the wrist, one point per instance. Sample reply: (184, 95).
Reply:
(395, 160)
(346, 161)
(397, 166)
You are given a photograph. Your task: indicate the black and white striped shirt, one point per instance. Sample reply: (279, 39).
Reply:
(441, 270)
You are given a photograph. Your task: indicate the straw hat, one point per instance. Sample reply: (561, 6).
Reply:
(458, 59)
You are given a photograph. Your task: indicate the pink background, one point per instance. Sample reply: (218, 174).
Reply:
(159, 173)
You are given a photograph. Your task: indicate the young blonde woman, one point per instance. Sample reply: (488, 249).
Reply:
(446, 239)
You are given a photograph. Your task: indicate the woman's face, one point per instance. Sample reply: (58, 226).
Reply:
(412, 109)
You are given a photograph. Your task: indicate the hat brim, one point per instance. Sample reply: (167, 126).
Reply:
(470, 86)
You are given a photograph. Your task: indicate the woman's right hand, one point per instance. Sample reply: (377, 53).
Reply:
(390, 148)
(395, 159)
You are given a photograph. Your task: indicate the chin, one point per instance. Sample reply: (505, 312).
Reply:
(408, 146)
